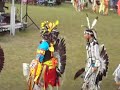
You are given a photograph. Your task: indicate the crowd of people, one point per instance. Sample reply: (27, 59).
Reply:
(97, 6)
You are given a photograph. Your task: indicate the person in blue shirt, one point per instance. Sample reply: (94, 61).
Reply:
(46, 46)
(45, 55)
(50, 61)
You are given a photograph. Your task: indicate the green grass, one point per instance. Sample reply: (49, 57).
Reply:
(22, 47)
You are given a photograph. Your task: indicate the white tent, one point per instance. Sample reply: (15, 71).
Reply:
(13, 25)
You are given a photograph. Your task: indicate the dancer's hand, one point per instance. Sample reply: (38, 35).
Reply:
(94, 69)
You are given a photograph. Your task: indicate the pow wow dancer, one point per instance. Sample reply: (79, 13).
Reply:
(79, 4)
(118, 7)
(116, 75)
(103, 9)
(95, 5)
(1, 58)
(97, 60)
(50, 62)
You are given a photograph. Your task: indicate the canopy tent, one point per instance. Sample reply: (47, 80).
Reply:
(14, 24)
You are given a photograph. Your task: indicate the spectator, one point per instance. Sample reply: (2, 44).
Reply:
(2, 6)
(2, 11)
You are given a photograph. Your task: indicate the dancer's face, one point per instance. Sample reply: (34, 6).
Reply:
(87, 36)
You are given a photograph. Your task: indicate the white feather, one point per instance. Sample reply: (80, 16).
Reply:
(88, 22)
(94, 23)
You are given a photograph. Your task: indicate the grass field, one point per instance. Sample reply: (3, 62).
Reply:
(22, 47)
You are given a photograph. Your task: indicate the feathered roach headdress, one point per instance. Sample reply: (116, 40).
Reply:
(90, 29)
(48, 29)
